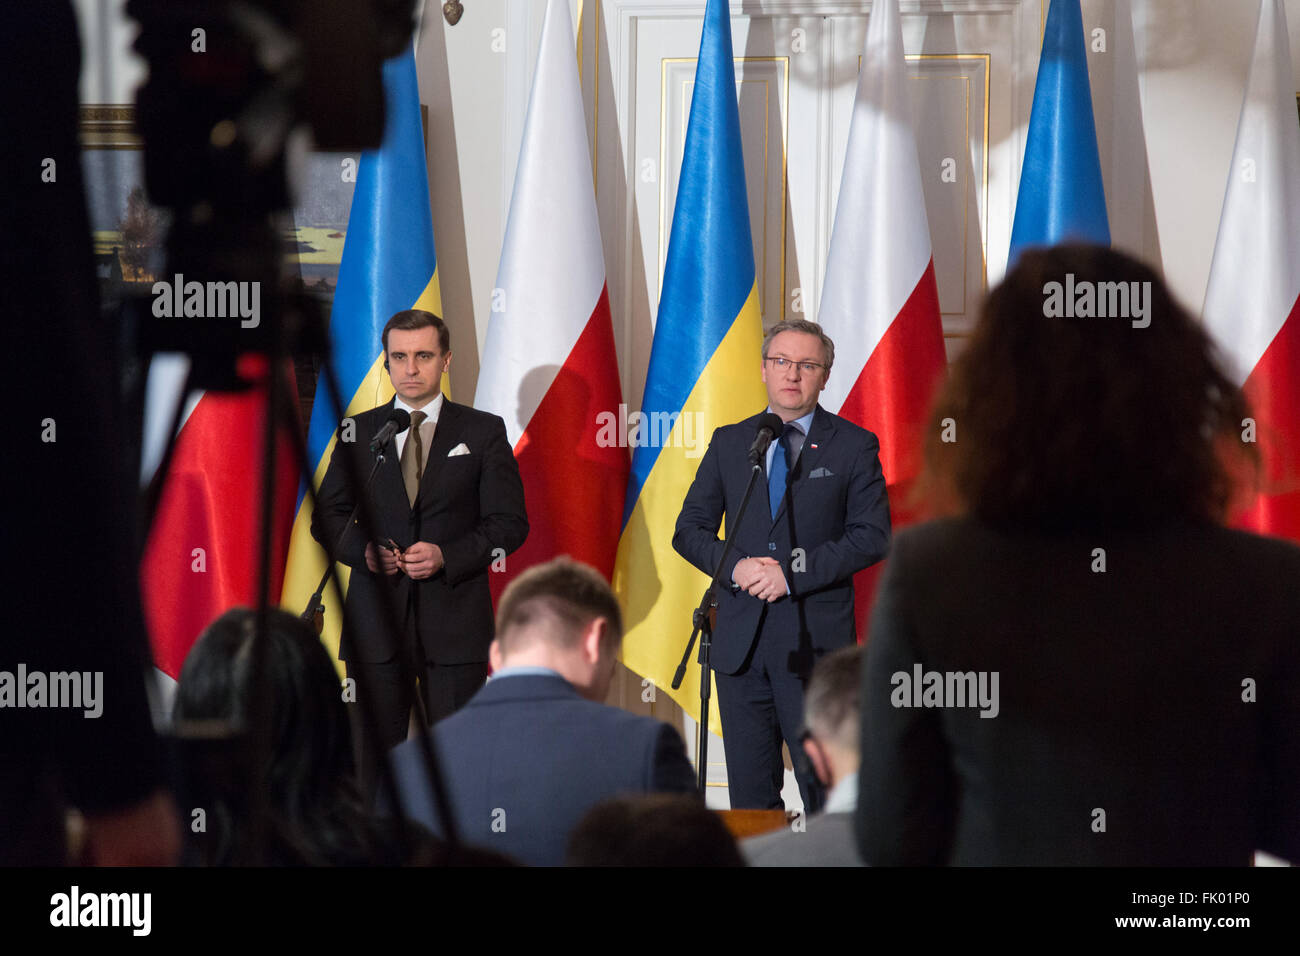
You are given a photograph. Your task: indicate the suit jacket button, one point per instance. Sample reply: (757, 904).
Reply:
(771, 546)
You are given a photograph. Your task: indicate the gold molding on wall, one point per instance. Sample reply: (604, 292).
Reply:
(595, 83)
(984, 171)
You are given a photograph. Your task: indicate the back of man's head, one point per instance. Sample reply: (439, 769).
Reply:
(657, 829)
(831, 707)
(563, 615)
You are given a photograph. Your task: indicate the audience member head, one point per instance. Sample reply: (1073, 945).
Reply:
(560, 615)
(1086, 397)
(652, 830)
(316, 815)
(831, 709)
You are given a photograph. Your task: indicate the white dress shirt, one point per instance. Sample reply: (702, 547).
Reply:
(432, 410)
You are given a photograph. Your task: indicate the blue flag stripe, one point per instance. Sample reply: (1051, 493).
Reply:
(710, 267)
(388, 254)
(1060, 196)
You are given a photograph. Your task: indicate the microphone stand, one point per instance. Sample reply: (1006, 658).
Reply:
(314, 613)
(702, 619)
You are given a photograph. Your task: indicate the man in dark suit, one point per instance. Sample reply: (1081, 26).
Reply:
(821, 515)
(535, 749)
(450, 498)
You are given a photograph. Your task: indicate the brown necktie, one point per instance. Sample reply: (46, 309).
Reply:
(413, 457)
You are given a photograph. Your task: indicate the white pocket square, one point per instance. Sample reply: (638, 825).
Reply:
(458, 450)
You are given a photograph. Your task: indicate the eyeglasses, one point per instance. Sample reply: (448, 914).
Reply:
(780, 363)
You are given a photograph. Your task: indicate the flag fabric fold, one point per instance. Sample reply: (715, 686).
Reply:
(879, 303)
(202, 553)
(1252, 302)
(703, 370)
(549, 364)
(388, 265)
(1060, 198)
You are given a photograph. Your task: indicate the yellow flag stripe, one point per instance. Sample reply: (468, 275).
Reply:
(659, 588)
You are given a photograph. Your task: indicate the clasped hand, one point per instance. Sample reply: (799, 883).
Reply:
(761, 577)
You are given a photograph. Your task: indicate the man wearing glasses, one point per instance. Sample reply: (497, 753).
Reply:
(818, 515)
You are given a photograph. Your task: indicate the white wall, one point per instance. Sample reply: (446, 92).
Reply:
(1195, 55)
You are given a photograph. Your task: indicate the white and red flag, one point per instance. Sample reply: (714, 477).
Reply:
(1252, 303)
(201, 555)
(879, 302)
(549, 366)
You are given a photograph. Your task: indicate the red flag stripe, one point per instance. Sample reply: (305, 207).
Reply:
(573, 487)
(892, 394)
(1273, 389)
(211, 503)
(891, 397)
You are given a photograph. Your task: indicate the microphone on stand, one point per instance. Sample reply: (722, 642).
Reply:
(769, 427)
(399, 420)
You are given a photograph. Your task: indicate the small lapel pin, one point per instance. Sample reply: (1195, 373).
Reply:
(813, 446)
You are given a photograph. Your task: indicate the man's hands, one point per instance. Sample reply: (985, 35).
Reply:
(381, 560)
(761, 577)
(421, 560)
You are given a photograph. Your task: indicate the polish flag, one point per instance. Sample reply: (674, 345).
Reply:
(549, 365)
(201, 555)
(879, 303)
(1252, 304)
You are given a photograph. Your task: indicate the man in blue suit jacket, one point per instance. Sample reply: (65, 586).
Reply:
(535, 749)
(821, 515)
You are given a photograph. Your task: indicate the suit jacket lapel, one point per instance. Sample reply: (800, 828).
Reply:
(766, 502)
(819, 434)
(446, 436)
(391, 470)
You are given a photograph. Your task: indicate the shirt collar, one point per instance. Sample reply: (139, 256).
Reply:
(431, 411)
(525, 671)
(804, 422)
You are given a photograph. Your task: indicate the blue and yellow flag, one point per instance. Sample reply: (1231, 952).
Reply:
(388, 265)
(703, 373)
(1060, 197)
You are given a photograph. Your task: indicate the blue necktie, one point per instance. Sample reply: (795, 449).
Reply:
(776, 475)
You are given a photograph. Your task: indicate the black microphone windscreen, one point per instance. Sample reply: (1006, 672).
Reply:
(772, 422)
(402, 417)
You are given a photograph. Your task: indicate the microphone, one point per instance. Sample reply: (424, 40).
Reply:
(769, 426)
(398, 421)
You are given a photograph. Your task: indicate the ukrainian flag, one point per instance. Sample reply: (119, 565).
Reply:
(1060, 197)
(388, 265)
(704, 365)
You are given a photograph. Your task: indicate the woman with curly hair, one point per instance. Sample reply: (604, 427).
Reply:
(1079, 663)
